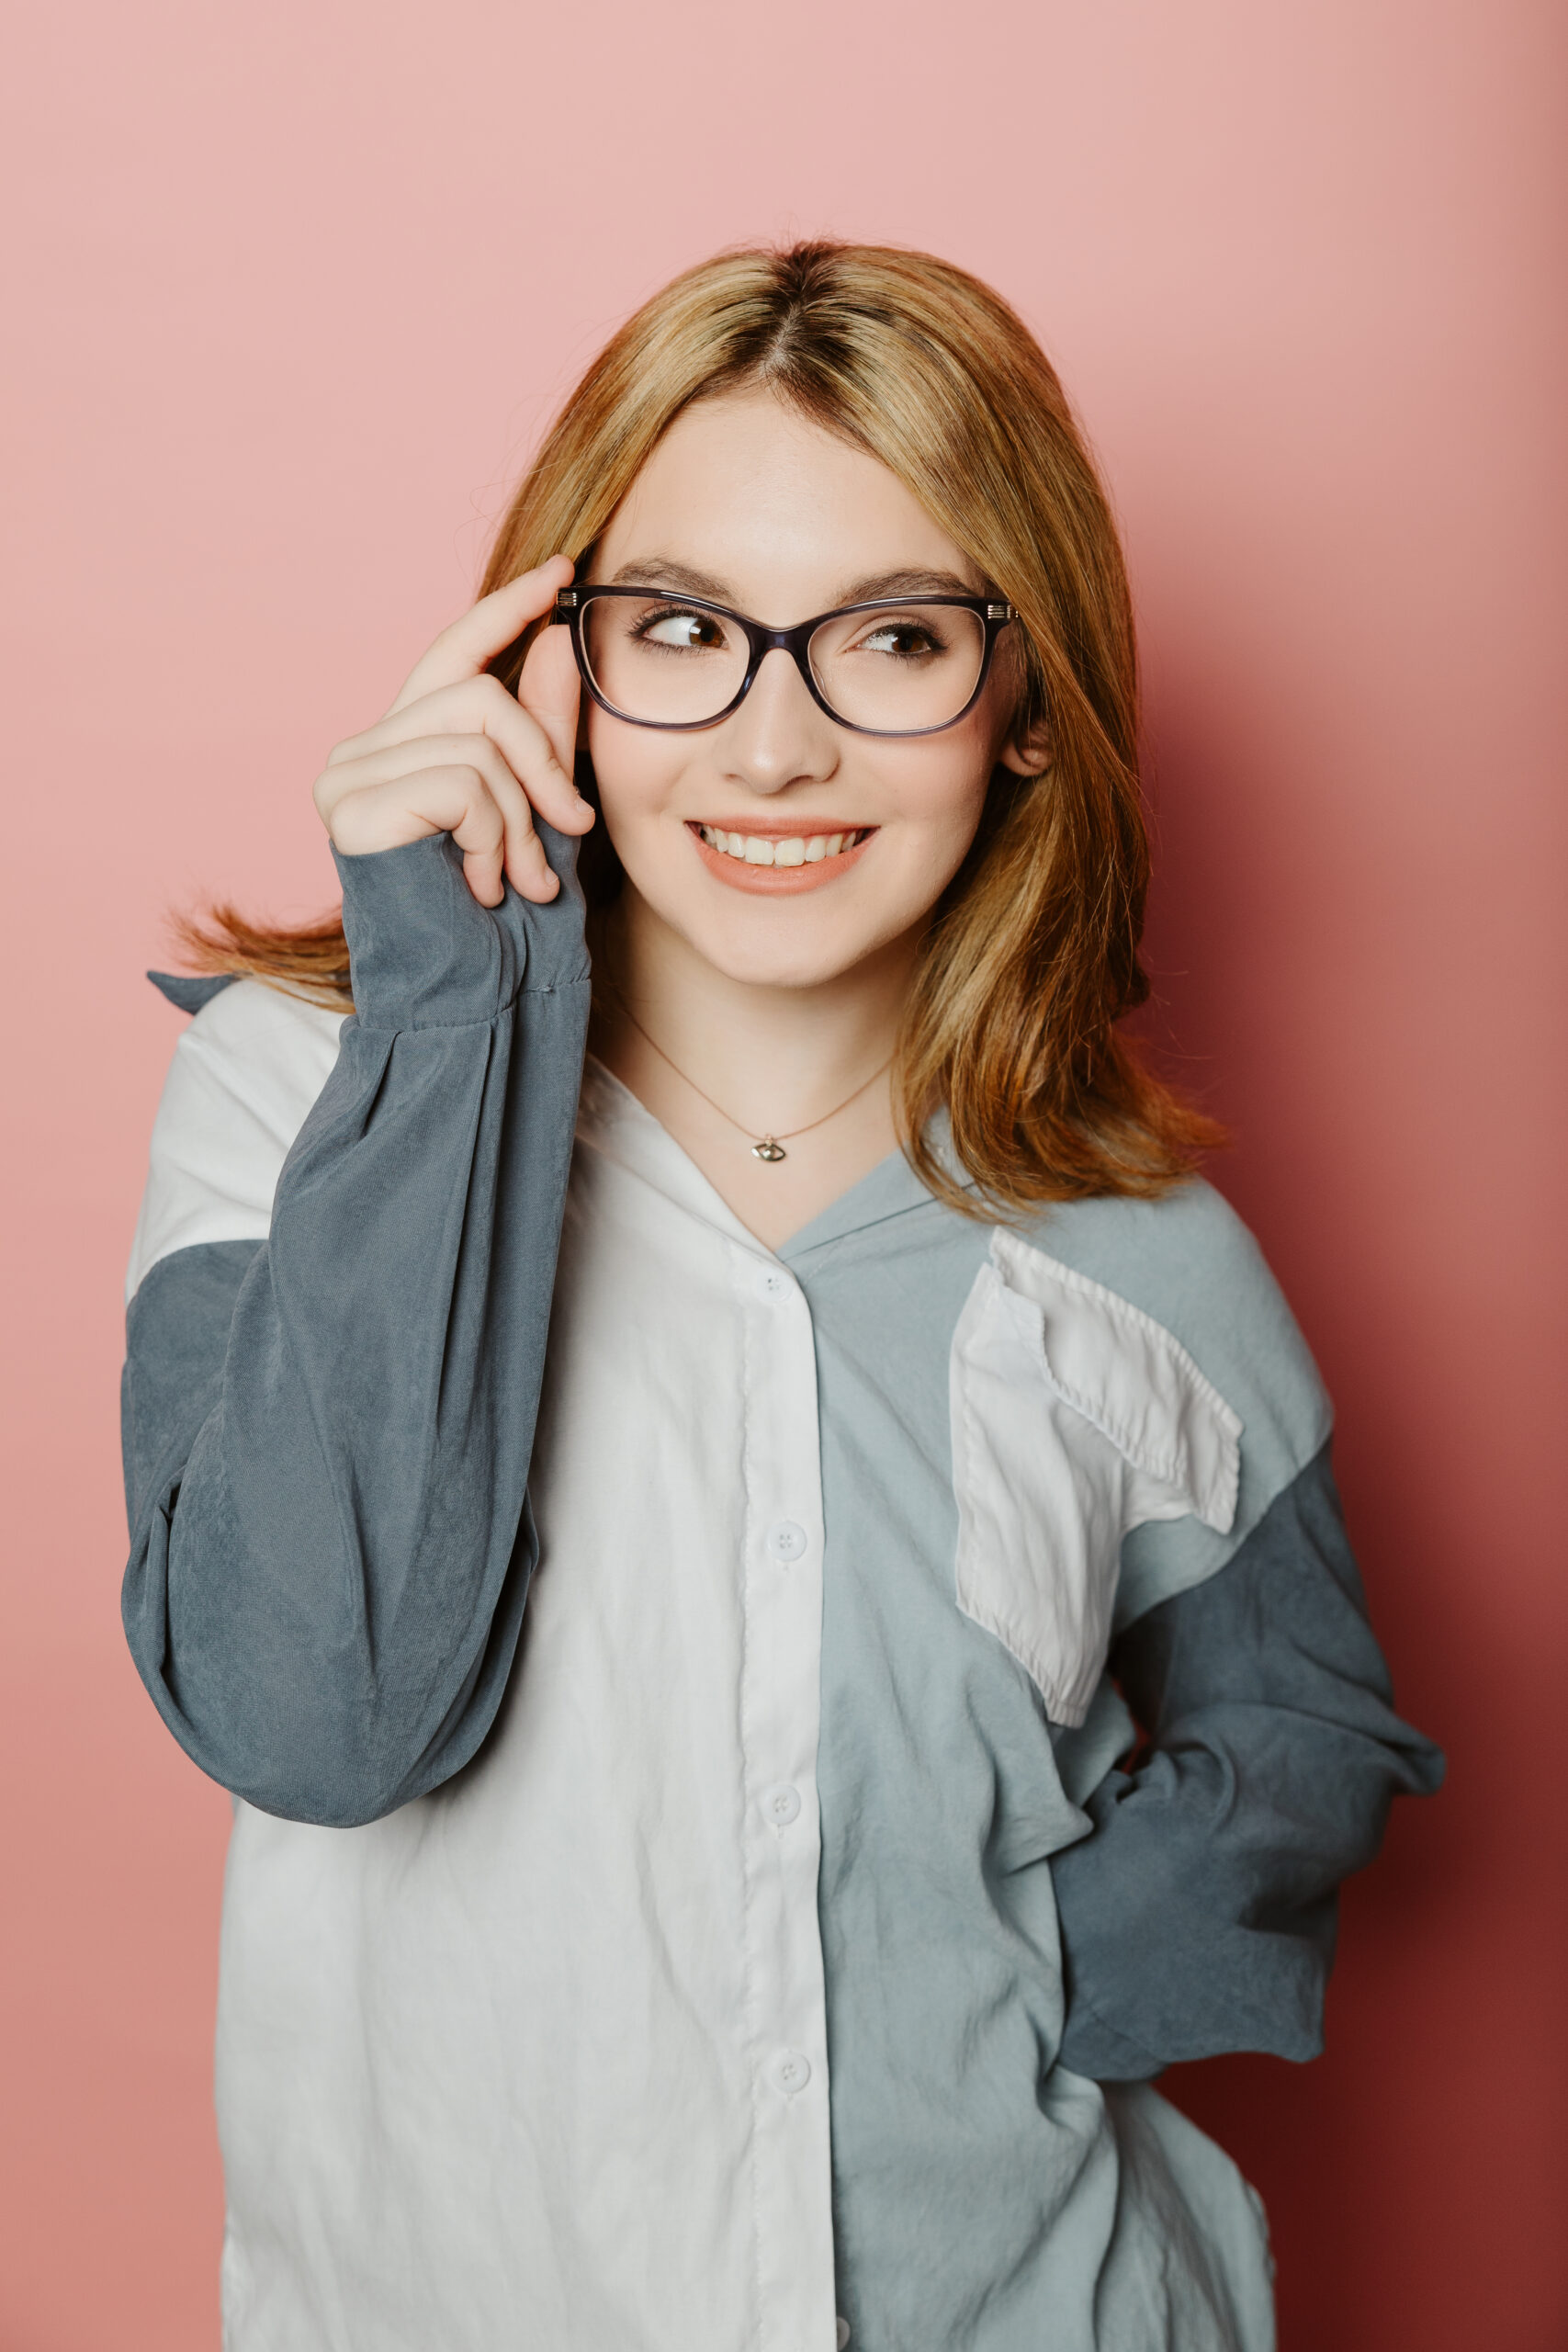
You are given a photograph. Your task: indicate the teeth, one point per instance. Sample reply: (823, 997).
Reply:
(796, 849)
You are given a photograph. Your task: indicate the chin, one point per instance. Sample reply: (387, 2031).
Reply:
(778, 962)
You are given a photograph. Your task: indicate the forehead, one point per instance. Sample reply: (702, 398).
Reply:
(748, 491)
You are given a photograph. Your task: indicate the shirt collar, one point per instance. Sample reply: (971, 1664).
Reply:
(612, 1120)
(890, 1189)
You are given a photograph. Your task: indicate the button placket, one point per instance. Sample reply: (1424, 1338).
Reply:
(791, 2070)
(787, 1541)
(780, 1805)
(781, 1684)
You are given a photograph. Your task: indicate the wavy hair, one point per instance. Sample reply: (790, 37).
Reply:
(1030, 959)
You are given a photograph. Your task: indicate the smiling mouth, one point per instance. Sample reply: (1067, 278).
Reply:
(788, 849)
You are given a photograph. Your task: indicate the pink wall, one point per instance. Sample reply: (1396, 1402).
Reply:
(297, 286)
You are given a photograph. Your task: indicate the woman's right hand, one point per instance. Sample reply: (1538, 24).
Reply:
(458, 754)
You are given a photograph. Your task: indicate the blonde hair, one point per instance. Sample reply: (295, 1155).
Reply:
(1031, 956)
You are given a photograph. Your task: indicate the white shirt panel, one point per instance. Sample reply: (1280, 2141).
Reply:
(242, 1077)
(558, 2031)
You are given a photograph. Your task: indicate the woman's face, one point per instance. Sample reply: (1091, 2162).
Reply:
(747, 504)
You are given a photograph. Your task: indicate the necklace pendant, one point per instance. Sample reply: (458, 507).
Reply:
(769, 1149)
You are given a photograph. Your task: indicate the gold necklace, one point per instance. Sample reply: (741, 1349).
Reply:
(767, 1148)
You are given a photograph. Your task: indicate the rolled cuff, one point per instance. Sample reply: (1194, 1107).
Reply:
(426, 955)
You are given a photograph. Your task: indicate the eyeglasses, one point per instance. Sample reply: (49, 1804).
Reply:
(894, 666)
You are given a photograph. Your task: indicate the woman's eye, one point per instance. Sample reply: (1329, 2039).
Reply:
(910, 641)
(685, 631)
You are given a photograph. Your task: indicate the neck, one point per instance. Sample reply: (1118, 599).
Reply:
(775, 1057)
(775, 1060)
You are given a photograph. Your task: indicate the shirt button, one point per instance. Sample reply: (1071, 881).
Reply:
(785, 1540)
(773, 1284)
(791, 2071)
(782, 1805)
(841, 2334)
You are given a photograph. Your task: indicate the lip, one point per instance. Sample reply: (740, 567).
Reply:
(776, 881)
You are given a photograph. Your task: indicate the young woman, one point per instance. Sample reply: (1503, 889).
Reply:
(675, 1552)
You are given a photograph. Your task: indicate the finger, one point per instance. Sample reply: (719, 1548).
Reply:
(484, 837)
(411, 759)
(454, 799)
(482, 706)
(549, 690)
(522, 852)
(485, 630)
(374, 783)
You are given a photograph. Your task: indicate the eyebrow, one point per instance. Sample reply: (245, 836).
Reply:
(662, 571)
(908, 584)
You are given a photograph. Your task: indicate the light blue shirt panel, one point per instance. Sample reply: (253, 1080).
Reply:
(1191, 1263)
(1188, 1260)
(942, 1797)
(940, 1806)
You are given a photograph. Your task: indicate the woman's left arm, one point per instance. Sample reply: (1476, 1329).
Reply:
(1200, 1917)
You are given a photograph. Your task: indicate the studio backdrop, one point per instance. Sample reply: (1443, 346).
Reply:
(292, 292)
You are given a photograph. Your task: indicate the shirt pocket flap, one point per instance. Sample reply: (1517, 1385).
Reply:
(1075, 1418)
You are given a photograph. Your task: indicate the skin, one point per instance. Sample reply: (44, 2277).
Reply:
(777, 992)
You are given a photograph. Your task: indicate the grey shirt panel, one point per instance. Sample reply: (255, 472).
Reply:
(1200, 1917)
(191, 990)
(177, 1335)
(325, 1594)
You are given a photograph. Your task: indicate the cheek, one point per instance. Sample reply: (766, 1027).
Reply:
(636, 770)
(937, 789)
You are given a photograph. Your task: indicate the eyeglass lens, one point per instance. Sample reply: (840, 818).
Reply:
(894, 669)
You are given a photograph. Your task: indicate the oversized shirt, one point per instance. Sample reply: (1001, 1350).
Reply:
(682, 1894)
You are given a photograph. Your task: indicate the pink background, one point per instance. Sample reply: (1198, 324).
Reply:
(295, 287)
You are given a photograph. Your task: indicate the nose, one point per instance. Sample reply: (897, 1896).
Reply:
(779, 737)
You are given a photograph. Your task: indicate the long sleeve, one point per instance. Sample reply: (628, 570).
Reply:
(1200, 1917)
(329, 1429)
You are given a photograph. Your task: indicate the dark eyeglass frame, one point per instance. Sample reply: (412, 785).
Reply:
(761, 641)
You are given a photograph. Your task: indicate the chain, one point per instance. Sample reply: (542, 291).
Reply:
(767, 1148)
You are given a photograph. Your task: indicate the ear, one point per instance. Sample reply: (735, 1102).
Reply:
(1030, 753)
